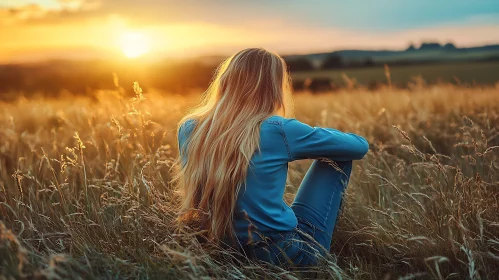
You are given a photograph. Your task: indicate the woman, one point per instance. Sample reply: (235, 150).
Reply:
(234, 151)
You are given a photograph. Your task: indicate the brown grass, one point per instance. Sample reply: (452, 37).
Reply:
(84, 190)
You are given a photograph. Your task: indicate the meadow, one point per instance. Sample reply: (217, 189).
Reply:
(463, 73)
(85, 188)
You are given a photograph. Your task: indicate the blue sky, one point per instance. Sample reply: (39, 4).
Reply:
(392, 15)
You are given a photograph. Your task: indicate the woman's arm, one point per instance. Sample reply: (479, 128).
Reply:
(305, 141)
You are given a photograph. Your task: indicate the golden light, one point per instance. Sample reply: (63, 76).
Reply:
(134, 44)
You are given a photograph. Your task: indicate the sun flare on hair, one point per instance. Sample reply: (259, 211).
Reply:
(134, 44)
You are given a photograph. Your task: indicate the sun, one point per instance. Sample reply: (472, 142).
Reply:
(134, 44)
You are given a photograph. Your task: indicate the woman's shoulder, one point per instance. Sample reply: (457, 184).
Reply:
(187, 124)
(280, 120)
(185, 128)
(284, 122)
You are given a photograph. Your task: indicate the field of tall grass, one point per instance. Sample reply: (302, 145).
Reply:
(85, 192)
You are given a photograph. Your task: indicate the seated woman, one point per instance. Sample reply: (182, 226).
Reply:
(234, 152)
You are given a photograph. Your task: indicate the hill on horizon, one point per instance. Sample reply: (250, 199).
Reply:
(427, 52)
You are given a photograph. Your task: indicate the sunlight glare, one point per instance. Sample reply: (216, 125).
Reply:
(134, 44)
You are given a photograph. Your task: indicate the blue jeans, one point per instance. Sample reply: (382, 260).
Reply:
(316, 207)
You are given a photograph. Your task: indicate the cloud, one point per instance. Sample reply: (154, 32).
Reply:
(80, 5)
(17, 14)
(36, 12)
(143, 12)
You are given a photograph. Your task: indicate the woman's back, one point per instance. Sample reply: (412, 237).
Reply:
(260, 200)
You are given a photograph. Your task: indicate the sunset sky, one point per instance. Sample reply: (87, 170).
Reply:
(81, 29)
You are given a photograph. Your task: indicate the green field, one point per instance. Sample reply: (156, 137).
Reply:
(466, 73)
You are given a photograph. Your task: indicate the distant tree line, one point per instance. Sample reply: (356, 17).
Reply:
(432, 46)
(332, 61)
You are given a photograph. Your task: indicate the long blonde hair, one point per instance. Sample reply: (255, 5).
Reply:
(248, 87)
